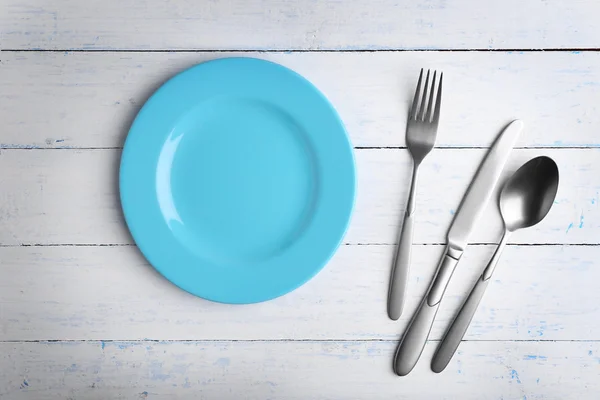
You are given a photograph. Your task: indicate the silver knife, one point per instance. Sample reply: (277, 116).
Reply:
(472, 206)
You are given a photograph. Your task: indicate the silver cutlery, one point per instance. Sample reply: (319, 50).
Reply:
(421, 131)
(470, 210)
(524, 201)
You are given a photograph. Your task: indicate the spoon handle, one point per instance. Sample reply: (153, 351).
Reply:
(461, 322)
(459, 327)
(489, 270)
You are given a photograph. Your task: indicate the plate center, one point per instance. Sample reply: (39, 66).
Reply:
(240, 180)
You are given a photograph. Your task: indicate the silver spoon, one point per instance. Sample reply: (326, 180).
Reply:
(525, 200)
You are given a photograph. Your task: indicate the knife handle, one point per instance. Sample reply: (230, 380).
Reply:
(459, 327)
(400, 268)
(414, 339)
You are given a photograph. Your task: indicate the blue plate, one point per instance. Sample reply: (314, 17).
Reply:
(237, 180)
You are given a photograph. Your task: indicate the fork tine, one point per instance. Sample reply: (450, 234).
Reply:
(421, 115)
(438, 101)
(415, 104)
(429, 111)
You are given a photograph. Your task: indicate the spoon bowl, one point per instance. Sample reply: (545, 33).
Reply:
(529, 194)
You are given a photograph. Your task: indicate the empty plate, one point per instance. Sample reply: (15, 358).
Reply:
(237, 180)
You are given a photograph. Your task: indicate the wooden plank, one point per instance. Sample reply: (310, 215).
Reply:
(277, 24)
(444, 178)
(294, 370)
(90, 99)
(53, 293)
(71, 197)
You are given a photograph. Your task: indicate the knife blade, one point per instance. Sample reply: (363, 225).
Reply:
(482, 187)
(472, 206)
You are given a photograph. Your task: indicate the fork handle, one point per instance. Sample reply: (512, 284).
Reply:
(400, 268)
(401, 263)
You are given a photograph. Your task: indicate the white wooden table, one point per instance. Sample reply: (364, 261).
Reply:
(83, 316)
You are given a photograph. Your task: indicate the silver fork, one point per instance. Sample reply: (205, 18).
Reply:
(421, 131)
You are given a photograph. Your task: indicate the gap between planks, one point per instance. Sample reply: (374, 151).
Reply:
(148, 340)
(566, 147)
(343, 244)
(381, 50)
